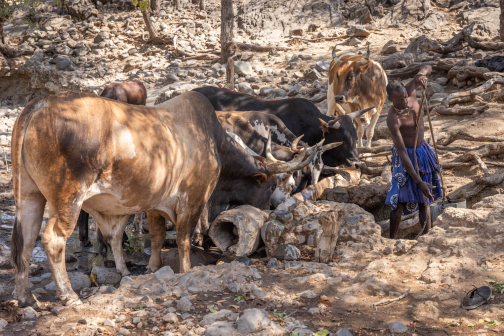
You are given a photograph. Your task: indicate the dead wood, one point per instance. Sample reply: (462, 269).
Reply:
(374, 305)
(317, 38)
(330, 221)
(253, 47)
(487, 150)
(408, 71)
(375, 150)
(458, 111)
(230, 80)
(474, 94)
(448, 63)
(461, 73)
(462, 135)
(373, 171)
(481, 164)
(397, 61)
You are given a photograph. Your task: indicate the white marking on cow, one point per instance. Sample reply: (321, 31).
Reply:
(123, 142)
(280, 136)
(285, 184)
(261, 128)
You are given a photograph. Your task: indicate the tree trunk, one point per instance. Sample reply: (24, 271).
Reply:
(502, 20)
(1, 31)
(155, 7)
(176, 4)
(227, 21)
(230, 74)
(150, 27)
(202, 4)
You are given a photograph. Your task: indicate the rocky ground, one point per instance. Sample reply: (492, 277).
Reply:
(90, 48)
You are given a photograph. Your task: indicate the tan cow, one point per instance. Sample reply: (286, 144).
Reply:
(113, 159)
(356, 83)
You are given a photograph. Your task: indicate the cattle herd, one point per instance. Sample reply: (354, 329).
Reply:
(112, 156)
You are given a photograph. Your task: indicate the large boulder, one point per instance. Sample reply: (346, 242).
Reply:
(81, 9)
(486, 18)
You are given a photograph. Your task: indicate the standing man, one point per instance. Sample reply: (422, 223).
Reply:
(407, 187)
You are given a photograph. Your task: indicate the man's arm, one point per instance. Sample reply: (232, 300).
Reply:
(420, 79)
(393, 125)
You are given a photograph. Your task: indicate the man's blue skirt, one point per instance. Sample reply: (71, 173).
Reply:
(403, 189)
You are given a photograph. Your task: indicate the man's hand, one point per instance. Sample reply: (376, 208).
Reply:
(425, 188)
(423, 80)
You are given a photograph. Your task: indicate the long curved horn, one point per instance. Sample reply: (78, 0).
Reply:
(269, 156)
(335, 58)
(330, 146)
(357, 114)
(295, 164)
(295, 142)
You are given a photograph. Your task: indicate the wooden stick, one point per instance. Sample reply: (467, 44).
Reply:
(420, 111)
(374, 305)
(435, 149)
(482, 164)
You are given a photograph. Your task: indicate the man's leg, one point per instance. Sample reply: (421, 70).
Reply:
(424, 215)
(395, 220)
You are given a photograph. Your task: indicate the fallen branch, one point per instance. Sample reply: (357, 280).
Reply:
(317, 38)
(448, 63)
(474, 94)
(462, 135)
(461, 73)
(374, 305)
(375, 150)
(481, 164)
(470, 110)
(253, 47)
(490, 149)
(411, 69)
(370, 171)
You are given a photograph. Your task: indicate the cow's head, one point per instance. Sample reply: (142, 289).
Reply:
(345, 76)
(342, 129)
(251, 181)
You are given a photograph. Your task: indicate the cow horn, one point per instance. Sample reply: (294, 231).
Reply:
(295, 164)
(365, 60)
(330, 146)
(334, 124)
(335, 58)
(269, 156)
(357, 114)
(295, 142)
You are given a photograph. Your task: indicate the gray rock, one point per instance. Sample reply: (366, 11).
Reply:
(358, 31)
(441, 80)
(272, 263)
(268, 79)
(171, 318)
(109, 323)
(433, 21)
(389, 48)
(277, 93)
(106, 275)
(136, 320)
(265, 90)
(221, 328)
(322, 66)
(313, 75)
(250, 321)
(437, 98)
(184, 304)
(286, 252)
(354, 41)
(102, 36)
(3, 324)
(247, 55)
(121, 318)
(258, 292)
(213, 317)
(305, 57)
(343, 332)
(62, 63)
(245, 88)
(397, 327)
(433, 88)
(234, 287)
(77, 280)
(164, 274)
(123, 331)
(172, 78)
(309, 294)
(313, 311)
(106, 290)
(294, 90)
(57, 310)
(243, 68)
(29, 314)
(127, 281)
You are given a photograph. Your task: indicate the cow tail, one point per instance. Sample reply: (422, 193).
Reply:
(18, 135)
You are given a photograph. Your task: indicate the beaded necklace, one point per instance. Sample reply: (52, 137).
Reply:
(405, 111)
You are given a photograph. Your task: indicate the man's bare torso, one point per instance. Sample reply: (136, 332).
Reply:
(407, 124)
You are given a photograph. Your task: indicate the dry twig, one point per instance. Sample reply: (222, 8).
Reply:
(374, 305)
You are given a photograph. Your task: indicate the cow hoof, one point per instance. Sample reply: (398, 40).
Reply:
(26, 301)
(151, 269)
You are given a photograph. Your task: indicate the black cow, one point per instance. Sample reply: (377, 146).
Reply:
(301, 117)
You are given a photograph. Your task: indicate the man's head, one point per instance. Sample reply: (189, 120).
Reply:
(397, 94)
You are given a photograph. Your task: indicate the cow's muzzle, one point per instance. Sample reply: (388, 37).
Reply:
(340, 99)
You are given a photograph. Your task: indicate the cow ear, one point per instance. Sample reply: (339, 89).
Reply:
(260, 177)
(324, 127)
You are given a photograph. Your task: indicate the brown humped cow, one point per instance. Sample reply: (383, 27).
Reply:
(112, 159)
(357, 82)
(132, 92)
